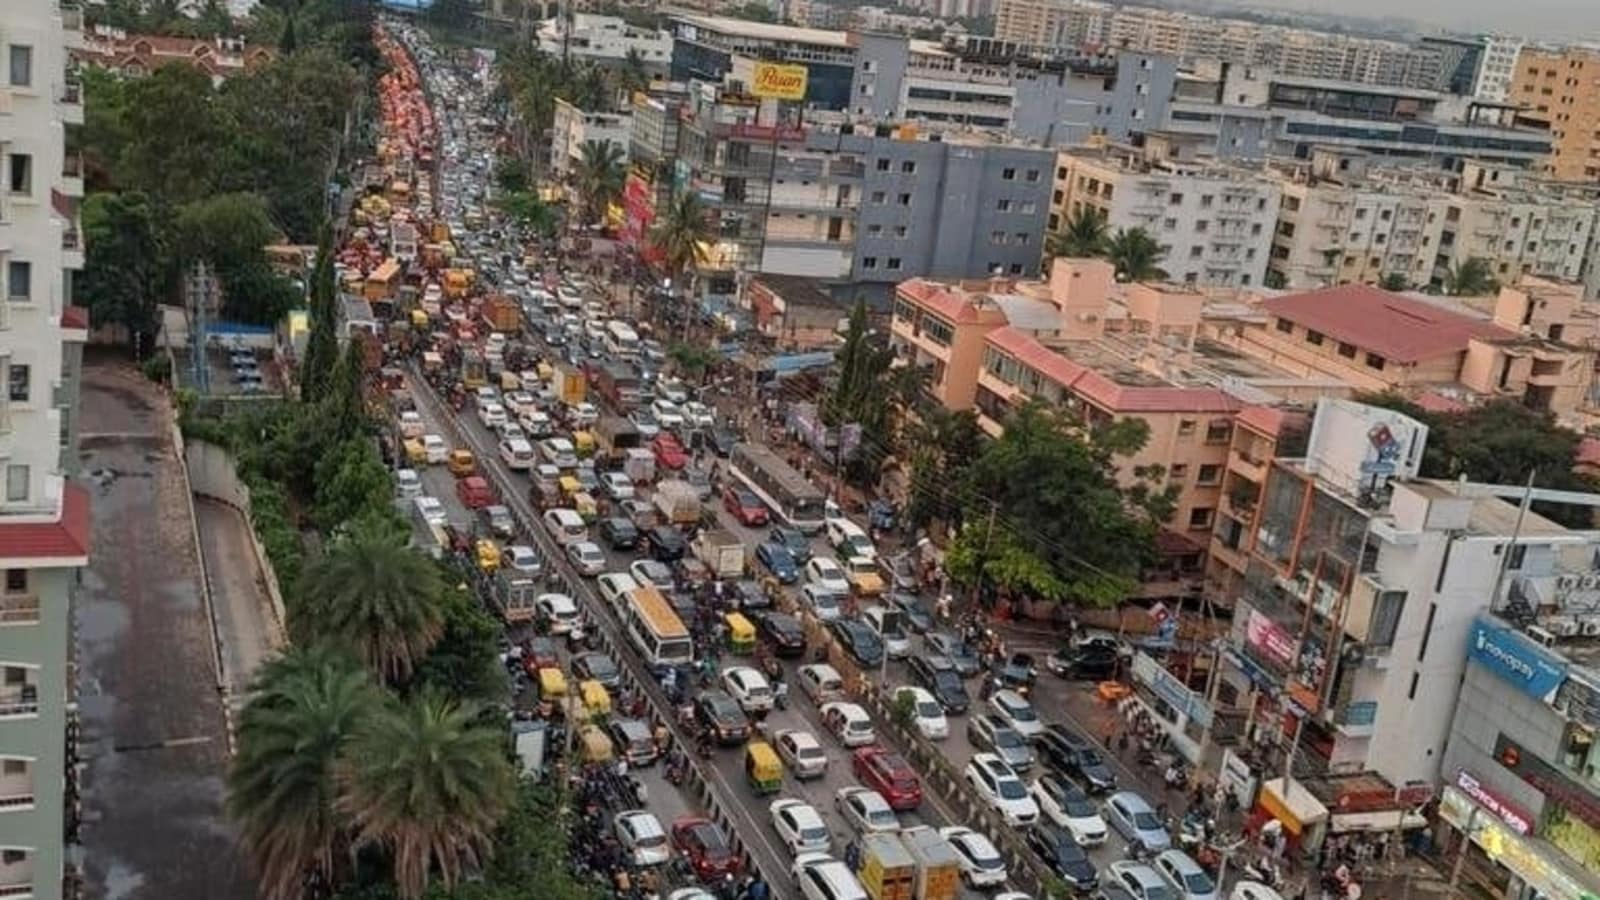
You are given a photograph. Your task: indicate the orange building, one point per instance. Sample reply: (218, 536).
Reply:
(1559, 90)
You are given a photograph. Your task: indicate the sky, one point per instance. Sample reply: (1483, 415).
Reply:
(1566, 20)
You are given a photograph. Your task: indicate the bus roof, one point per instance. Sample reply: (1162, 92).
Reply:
(776, 467)
(657, 612)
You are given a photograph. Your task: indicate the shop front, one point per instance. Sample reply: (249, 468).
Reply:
(1181, 712)
(1502, 853)
(1303, 816)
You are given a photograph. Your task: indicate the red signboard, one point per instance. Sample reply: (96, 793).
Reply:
(1515, 819)
(766, 133)
(639, 207)
(1270, 638)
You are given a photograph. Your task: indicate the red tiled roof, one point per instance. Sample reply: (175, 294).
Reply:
(1102, 391)
(66, 539)
(75, 317)
(941, 300)
(1398, 328)
(1588, 452)
(1435, 402)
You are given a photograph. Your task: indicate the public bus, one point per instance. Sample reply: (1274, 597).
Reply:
(621, 340)
(795, 500)
(655, 629)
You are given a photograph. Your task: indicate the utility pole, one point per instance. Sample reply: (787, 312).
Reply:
(199, 291)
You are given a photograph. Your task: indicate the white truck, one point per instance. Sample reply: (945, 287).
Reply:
(721, 551)
(678, 503)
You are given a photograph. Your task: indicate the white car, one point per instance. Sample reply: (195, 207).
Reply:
(642, 838)
(524, 559)
(848, 540)
(434, 449)
(667, 414)
(1064, 803)
(926, 713)
(1186, 877)
(565, 525)
(584, 415)
(614, 586)
(1014, 710)
(981, 863)
(749, 688)
(492, 415)
(407, 483)
(889, 628)
(650, 571)
(820, 681)
(827, 575)
(485, 395)
(537, 424)
(849, 723)
(673, 391)
(617, 486)
(521, 403)
(825, 605)
(865, 810)
(587, 557)
(431, 510)
(559, 610)
(800, 826)
(559, 452)
(1253, 890)
(698, 415)
(1001, 789)
(801, 752)
(510, 429)
(411, 424)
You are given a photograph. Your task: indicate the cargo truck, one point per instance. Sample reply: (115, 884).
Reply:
(678, 502)
(721, 551)
(514, 595)
(570, 385)
(888, 871)
(938, 869)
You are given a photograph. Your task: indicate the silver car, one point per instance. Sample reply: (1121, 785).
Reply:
(989, 732)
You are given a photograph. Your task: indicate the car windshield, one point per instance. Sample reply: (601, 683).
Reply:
(948, 680)
(1088, 757)
(814, 833)
(1146, 821)
(600, 665)
(929, 710)
(1079, 807)
(1159, 892)
(811, 753)
(1198, 883)
(1010, 789)
(985, 857)
(881, 816)
(1005, 737)
(1022, 713)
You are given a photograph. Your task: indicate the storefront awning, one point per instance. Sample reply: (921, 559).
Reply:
(1293, 805)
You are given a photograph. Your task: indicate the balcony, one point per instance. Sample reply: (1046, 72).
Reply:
(70, 98)
(19, 700)
(72, 175)
(71, 248)
(19, 889)
(19, 609)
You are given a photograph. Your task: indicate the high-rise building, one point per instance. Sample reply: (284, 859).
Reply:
(1499, 65)
(44, 519)
(1556, 87)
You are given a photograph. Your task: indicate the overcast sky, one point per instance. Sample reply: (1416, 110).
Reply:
(1567, 20)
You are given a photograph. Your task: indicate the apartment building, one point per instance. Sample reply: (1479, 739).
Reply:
(1498, 68)
(1213, 220)
(1068, 24)
(605, 40)
(1556, 90)
(44, 518)
(572, 127)
(704, 48)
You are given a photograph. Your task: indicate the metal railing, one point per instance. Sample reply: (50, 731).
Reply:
(24, 702)
(72, 93)
(19, 609)
(70, 240)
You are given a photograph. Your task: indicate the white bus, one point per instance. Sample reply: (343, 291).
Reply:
(621, 339)
(655, 629)
(797, 501)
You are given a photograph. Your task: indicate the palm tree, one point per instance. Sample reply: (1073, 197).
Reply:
(1394, 281)
(1135, 255)
(681, 236)
(427, 782)
(378, 597)
(1085, 235)
(1471, 278)
(304, 707)
(599, 177)
(633, 77)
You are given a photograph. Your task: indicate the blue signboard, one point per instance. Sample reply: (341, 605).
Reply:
(1516, 658)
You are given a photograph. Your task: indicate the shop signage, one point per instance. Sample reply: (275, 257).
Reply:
(1516, 658)
(1525, 859)
(1270, 638)
(1174, 692)
(1555, 786)
(766, 133)
(776, 81)
(1515, 818)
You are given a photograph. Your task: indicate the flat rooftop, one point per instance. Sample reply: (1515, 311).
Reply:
(763, 31)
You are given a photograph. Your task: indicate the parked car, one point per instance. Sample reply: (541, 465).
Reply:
(1134, 819)
(1062, 854)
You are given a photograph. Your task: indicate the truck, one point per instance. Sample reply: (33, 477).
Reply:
(938, 870)
(570, 384)
(502, 314)
(514, 595)
(619, 384)
(614, 436)
(888, 871)
(678, 502)
(639, 465)
(721, 551)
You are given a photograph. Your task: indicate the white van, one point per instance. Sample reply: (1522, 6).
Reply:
(614, 586)
(566, 526)
(821, 877)
(517, 454)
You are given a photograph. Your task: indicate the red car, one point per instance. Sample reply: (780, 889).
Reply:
(889, 775)
(706, 847)
(669, 452)
(539, 653)
(745, 506)
(475, 492)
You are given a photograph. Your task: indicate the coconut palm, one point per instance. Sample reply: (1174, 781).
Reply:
(681, 236)
(633, 76)
(1471, 278)
(599, 177)
(281, 790)
(1085, 235)
(373, 594)
(1136, 255)
(426, 781)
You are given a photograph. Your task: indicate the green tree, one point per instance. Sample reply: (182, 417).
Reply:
(427, 783)
(127, 271)
(463, 663)
(634, 76)
(681, 235)
(599, 177)
(942, 444)
(322, 344)
(350, 481)
(231, 232)
(510, 175)
(532, 214)
(304, 706)
(373, 594)
(754, 12)
(1472, 278)
(1085, 235)
(1136, 255)
(1394, 281)
(176, 136)
(693, 361)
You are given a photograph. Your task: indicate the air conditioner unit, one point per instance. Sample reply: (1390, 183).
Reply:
(1545, 638)
(1590, 627)
(1563, 626)
(1589, 582)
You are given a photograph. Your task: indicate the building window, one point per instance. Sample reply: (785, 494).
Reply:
(900, 231)
(1374, 361)
(17, 383)
(904, 199)
(21, 65)
(1174, 199)
(1194, 252)
(1008, 174)
(1021, 238)
(908, 167)
(1003, 205)
(883, 164)
(1178, 472)
(1284, 325)
(19, 280)
(869, 262)
(1313, 337)
(1186, 427)
(1348, 351)
(1209, 474)
(874, 230)
(1169, 224)
(17, 478)
(1028, 207)
(878, 197)
(1218, 431)
(1033, 175)
(894, 264)
(997, 237)
(1200, 517)
(21, 173)
(938, 330)
(1519, 555)
(1205, 201)
(16, 581)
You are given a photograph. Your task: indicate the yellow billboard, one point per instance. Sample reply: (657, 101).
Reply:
(776, 81)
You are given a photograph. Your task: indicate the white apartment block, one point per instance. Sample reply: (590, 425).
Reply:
(571, 128)
(1214, 221)
(44, 519)
(1498, 65)
(606, 40)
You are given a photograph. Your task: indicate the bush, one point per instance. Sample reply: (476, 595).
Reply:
(158, 368)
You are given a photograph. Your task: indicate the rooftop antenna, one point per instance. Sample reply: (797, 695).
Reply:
(1516, 532)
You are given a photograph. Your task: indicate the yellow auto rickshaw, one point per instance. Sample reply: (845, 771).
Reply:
(596, 699)
(461, 463)
(546, 372)
(570, 487)
(552, 684)
(509, 381)
(419, 320)
(416, 453)
(488, 554)
(762, 768)
(596, 746)
(741, 634)
(583, 444)
(583, 503)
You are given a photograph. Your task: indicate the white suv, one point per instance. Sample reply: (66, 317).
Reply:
(1001, 789)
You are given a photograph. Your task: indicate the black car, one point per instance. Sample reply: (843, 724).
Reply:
(555, 336)
(1063, 855)
(1090, 662)
(722, 440)
(860, 641)
(1017, 670)
(1074, 755)
(599, 667)
(954, 649)
(722, 715)
(938, 675)
(782, 632)
(749, 596)
(666, 543)
(799, 545)
(619, 533)
(915, 609)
